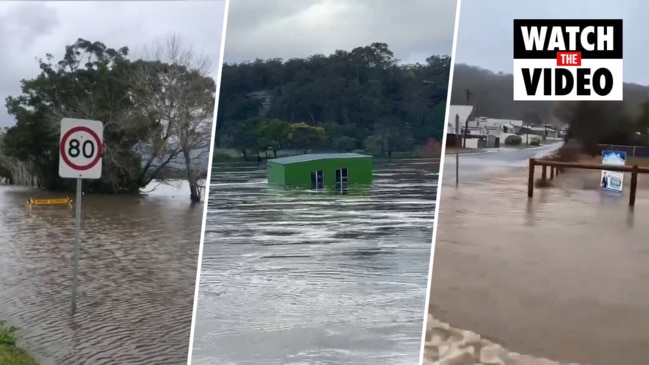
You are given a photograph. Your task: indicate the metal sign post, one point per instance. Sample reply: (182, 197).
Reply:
(80, 157)
(77, 246)
(457, 150)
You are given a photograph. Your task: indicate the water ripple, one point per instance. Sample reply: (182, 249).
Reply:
(293, 277)
(137, 269)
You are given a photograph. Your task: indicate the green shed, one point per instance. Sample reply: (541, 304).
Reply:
(334, 171)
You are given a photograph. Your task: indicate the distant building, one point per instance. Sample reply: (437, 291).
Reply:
(494, 127)
(329, 171)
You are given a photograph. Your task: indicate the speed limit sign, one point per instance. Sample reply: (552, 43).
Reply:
(81, 148)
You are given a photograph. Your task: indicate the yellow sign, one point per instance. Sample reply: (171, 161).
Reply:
(60, 201)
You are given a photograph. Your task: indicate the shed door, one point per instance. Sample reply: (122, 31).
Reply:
(341, 180)
(317, 180)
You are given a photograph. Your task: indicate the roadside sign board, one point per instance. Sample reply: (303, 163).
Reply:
(50, 201)
(80, 148)
(612, 181)
(80, 157)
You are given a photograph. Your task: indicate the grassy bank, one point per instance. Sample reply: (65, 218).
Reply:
(10, 353)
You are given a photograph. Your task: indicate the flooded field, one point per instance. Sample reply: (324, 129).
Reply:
(136, 284)
(304, 278)
(564, 277)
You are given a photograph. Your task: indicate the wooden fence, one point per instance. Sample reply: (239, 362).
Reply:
(557, 166)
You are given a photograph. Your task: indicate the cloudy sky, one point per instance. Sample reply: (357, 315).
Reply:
(29, 30)
(414, 29)
(485, 30)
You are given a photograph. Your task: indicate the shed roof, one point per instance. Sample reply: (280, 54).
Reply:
(316, 156)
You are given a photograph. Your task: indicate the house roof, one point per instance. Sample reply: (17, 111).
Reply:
(316, 156)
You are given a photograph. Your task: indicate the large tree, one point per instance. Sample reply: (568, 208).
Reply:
(153, 111)
(173, 88)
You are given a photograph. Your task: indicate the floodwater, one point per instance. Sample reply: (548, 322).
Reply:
(305, 278)
(136, 283)
(564, 277)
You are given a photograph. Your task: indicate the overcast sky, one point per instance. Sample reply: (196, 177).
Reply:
(414, 29)
(29, 30)
(485, 31)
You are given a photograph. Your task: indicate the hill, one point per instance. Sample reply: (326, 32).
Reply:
(492, 95)
(348, 100)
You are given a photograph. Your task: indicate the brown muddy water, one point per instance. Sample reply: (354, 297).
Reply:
(564, 277)
(136, 284)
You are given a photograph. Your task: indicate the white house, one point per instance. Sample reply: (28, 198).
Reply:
(493, 127)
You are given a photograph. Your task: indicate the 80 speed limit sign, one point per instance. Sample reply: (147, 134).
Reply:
(81, 148)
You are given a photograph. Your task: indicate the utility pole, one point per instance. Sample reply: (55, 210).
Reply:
(469, 94)
(457, 150)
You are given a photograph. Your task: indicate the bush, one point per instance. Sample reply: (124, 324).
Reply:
(513, 140)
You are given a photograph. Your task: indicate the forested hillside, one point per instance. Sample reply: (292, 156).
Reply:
(348, 100)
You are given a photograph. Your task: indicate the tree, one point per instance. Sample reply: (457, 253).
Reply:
(245, 136)
(305, 137)
(88, 82)
(274, 134)
(154, 111)
(392, 136)
(175, 90)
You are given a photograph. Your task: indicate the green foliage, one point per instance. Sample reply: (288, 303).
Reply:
(93, 81)
(513, 140)
(9, 352)
(349, 94)
(274, 134)
(305, 137)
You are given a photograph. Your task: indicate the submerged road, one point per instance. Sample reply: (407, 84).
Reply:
(563, 276)
(474, 166)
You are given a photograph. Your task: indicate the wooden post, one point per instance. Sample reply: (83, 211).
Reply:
(544, 173)
(634, 185)
(551, 172)
(530, 179)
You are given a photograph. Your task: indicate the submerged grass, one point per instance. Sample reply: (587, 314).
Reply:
(10, 353)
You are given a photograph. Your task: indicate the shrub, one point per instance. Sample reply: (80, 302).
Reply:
(535, 141)
(513, 140)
